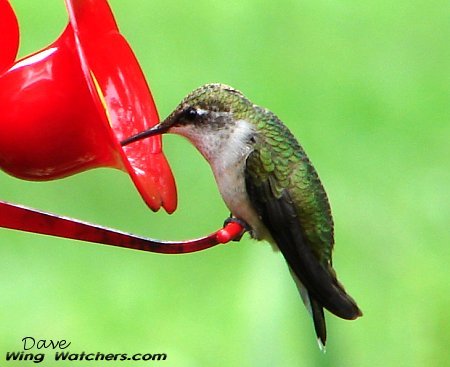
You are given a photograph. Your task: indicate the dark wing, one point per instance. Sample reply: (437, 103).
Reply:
(279, 214)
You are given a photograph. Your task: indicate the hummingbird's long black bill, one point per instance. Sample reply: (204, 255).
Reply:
(155, 130)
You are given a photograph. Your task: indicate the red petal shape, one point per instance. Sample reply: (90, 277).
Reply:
(9, 36)
(66, 108)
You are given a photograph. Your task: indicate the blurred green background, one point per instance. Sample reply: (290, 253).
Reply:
(365, 88)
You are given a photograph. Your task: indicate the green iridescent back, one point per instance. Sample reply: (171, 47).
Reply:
(279, 158)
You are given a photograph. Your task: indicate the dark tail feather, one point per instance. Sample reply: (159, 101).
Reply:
(318, 278)
(354, 311)
(280, 216)
(320, 281)
(319, 323)
(315, 309)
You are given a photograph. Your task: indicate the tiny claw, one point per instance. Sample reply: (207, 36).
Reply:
(233, 230)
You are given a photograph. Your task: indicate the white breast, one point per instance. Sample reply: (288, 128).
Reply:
(228, 169)
(226, 151)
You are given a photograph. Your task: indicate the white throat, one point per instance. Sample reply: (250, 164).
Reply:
(221, 148)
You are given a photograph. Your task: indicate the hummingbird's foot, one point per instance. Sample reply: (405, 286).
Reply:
(245, 227)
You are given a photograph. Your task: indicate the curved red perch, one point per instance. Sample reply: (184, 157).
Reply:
(21, 218)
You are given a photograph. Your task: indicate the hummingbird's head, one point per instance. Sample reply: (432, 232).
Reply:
(207, 117)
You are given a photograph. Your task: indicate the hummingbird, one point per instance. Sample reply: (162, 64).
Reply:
(268, 183)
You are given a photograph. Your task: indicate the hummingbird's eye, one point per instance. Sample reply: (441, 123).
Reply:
(190, 113)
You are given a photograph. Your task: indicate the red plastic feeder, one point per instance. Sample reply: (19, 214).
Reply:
(65, 109)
